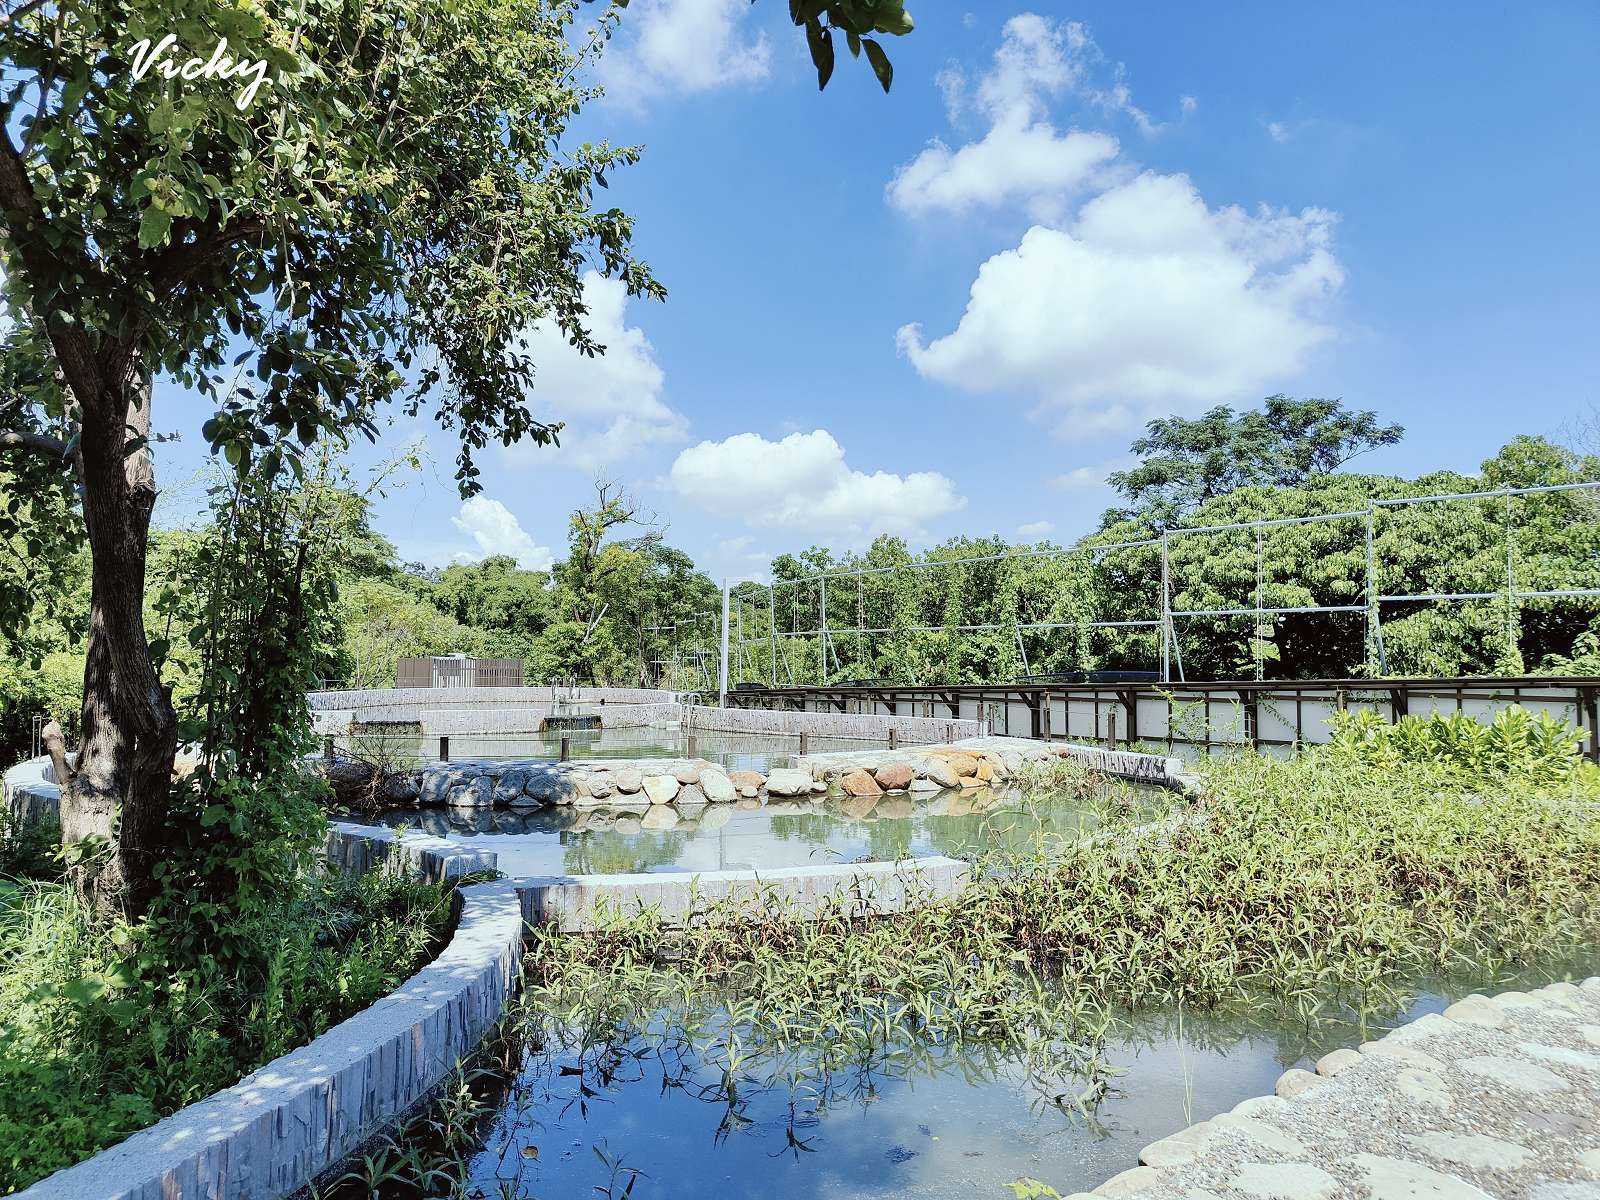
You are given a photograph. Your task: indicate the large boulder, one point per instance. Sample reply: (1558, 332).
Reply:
(686, 774)
(789, 781)
(629, 780)
(477, 792)
(749, 783)
(923, 785)
(660, 788)
(689, 793)
(894, 777)
(940, 772)
(719, 789)
(509, 787)
(601, 785)
(962, 763)
(860, 783)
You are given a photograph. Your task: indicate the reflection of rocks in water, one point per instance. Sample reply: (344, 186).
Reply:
(857, 808)
(715, 817)
(783, 808)
(748, 805)
(660, 817)
(893, 808)
(628, 825)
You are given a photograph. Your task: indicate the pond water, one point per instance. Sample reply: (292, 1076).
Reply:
(749, 835)
(580, 1121)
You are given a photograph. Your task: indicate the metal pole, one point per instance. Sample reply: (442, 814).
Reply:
(1511, 593)
(722, 669)
(772, 633)
(1166, 617)
(822, 649)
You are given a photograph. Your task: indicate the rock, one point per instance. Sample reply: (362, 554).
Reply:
(510, 785)
(1294, 1081)
(398, 789)
(789, 781)
(629, 780)
(1513, 1074)
(860, 783)
(1392, 1178)
(1475, 1151)
(971, 781)
(1332, 1063)
(1129, 1182)
(894, 777)
(749, 783)
(1476, 1010)
(1424, 1087)
(1284, 1181)
(475, 793)
(689, 794)
(940, 772)
(1177, 1148)
(961, 762)
(660, 788)
(924, 785)
(719, 789)
(985, 770)
(601, 785)
(1261, 1132)
(686, 774)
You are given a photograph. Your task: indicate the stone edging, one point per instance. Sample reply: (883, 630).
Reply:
(1437, 1107)
(287, 1123)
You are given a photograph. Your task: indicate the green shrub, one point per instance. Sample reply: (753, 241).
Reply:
(92, 1049)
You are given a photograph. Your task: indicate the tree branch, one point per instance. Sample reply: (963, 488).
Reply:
(25, 221)
(38, 443)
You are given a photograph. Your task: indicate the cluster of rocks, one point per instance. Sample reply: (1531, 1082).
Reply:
(934, 769)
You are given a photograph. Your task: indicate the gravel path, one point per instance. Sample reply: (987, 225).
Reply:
(1499, 1097)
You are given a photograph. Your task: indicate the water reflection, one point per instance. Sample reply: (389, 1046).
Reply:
(751, 835)
(696, 1113)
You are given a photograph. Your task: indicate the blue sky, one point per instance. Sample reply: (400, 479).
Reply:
(949, 309)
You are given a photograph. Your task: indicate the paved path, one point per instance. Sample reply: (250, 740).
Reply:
(1499, 1097)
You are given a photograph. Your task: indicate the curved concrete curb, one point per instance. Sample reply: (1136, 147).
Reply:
(278, 1128)
(31, 794)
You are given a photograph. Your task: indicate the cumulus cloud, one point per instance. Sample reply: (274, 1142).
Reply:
(1149, 302)
(802, 482)
(1034, 530)
(1091, 475)
(683, 47)
(496, 530)
(1023, 157)
(612, 404)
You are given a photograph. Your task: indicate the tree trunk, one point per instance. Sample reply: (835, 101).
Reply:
(119, 793)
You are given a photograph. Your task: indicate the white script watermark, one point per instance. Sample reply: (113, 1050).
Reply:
(221, 65)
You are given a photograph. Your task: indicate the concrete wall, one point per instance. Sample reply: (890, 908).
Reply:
(467, 697)
(871, 727)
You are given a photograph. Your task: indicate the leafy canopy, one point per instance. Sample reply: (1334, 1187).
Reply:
(1186, 462)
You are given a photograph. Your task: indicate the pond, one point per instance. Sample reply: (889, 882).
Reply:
(582, 1117)
(749, 835)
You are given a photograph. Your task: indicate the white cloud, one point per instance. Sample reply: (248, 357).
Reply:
(683, 47)
(1034, 530)
(1187, 104)
(1149, 303)
(803, 483)
(1023, 157)
(612, 403)
(1278, 131)
(496, 530)
(1092, 475)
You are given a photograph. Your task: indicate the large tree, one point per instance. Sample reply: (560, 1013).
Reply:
(1186, 461)
(376, 221)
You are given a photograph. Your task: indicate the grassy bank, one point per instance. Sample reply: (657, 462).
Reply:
(91, 1050)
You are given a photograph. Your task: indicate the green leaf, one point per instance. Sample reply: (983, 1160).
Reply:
(154, 226)
(881, 66)
(821, 42)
